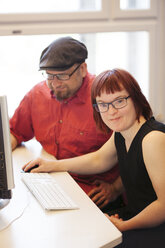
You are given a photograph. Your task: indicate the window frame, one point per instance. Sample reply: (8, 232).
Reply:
(57, 16)
(137, 13)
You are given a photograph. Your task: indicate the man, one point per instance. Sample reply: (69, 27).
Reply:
(58, 113)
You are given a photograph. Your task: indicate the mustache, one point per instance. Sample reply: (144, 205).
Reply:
(60, 87)
(51, 87)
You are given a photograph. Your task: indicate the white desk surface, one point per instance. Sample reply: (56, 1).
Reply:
(86, 227)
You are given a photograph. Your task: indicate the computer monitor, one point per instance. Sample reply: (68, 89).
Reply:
(6, 165)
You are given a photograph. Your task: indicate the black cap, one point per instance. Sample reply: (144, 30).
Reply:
(62, 53)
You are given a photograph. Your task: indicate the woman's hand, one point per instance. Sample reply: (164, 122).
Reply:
(40, 165)
(118, 222)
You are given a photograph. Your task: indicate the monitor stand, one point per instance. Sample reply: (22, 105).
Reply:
(4, 203)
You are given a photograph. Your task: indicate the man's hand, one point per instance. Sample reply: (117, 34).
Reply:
(103, 193)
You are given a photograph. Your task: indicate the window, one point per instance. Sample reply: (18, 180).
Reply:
(118, 33)
(31, 6)
(134, 4)
(20, 61)
(135, 8)
(30, 11)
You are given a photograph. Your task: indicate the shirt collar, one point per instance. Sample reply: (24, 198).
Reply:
(80, 93)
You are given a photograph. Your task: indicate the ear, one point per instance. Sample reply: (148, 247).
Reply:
(83, 69)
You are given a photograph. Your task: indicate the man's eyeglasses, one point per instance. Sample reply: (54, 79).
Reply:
(60, 76)
(117, 104)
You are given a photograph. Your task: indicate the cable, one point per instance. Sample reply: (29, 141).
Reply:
(19, 216)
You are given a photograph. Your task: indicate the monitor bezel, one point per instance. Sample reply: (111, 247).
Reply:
(7, 156)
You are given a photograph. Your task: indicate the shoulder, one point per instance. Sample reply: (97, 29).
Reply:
(89, 78)
(39, 89)
(38, 93)
(153, 141)
(154, 132)
(40, 86)
(153, 148)
(86, 87)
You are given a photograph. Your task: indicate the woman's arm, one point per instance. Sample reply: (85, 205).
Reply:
(153, 147)
(91, 163)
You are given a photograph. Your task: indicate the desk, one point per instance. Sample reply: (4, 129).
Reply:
(86, 227)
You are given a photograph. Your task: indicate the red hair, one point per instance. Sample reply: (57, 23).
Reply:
(114, 80)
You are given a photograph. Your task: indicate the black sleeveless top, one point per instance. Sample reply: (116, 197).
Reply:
(138, 186)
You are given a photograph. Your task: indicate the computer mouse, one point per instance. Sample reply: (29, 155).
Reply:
(35, 166)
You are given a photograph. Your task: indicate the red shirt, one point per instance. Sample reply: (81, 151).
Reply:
(65, 129)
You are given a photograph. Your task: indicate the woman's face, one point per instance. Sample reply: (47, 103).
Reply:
(121, 119)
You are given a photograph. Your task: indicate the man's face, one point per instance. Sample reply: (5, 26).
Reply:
(64, 89)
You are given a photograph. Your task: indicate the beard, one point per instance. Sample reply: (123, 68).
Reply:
(62, 95)
(63, 92)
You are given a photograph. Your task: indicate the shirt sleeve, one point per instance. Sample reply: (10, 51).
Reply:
(21, 122)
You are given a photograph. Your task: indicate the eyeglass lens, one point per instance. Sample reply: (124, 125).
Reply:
(117, 104)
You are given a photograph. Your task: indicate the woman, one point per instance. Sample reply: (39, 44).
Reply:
(138, 143)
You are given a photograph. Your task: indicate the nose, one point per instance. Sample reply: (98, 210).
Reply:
(111, 109)
(56, 82)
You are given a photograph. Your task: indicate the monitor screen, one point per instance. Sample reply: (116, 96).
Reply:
(6, 165)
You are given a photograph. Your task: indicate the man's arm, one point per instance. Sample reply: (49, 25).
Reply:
(14, 141)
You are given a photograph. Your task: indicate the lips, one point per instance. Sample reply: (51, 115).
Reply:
(115, 119)
(60, 88)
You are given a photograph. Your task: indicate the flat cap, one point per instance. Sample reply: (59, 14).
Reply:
(62, 53)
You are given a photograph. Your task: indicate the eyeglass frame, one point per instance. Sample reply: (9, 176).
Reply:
(61, 74)
(95, 105)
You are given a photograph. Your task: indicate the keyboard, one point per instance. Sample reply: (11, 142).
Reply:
(47, 191)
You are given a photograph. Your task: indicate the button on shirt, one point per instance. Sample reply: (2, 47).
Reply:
(65, 129)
